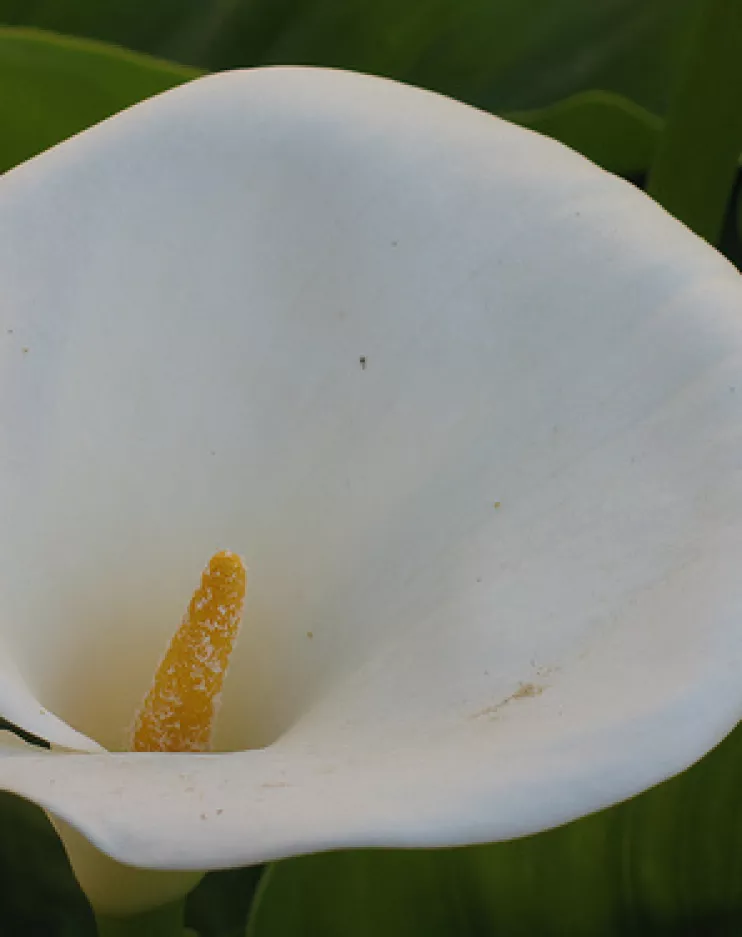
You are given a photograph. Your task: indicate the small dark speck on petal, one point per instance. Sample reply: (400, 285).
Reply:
(220, 811)
(24, 350)
(362, 362)
(310, 634)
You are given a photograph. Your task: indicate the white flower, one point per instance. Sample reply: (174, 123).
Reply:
(470, 408)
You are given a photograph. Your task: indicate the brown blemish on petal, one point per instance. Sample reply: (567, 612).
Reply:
(524, 691)
(527, 690)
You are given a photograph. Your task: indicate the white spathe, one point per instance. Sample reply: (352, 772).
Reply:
(494, 568)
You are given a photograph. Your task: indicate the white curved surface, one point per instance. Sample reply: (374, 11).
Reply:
(188, 290)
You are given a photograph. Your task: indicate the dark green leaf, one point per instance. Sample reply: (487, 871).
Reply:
(498, 54)
(219, 905)
(666, 863)
(39, 896)
(610, 130)
(164, 921)
(698, 154)
(52, 87)
(730, 243)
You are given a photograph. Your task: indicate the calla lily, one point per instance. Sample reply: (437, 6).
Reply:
(470, 408)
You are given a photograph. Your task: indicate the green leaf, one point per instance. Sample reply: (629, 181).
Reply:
(730, 242)
(52, 87)
(499, 54)
(39, 896)
(698, 154)
(220, 903)
(667, 862)
(610, 130)
(165, 921)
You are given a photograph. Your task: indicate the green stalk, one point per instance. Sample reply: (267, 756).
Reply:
(167, 921)
(696, 162)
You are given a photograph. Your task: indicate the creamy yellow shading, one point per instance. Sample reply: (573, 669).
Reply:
(179, 711)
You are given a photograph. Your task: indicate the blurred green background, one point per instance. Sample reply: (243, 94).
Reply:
(599, 75)
(501, 55)
(603, 76)
(498, 54)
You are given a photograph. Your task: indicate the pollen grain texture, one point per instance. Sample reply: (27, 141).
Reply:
(179, 711)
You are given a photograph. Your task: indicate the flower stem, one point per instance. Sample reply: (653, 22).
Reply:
(698, 154)
(167, 921)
